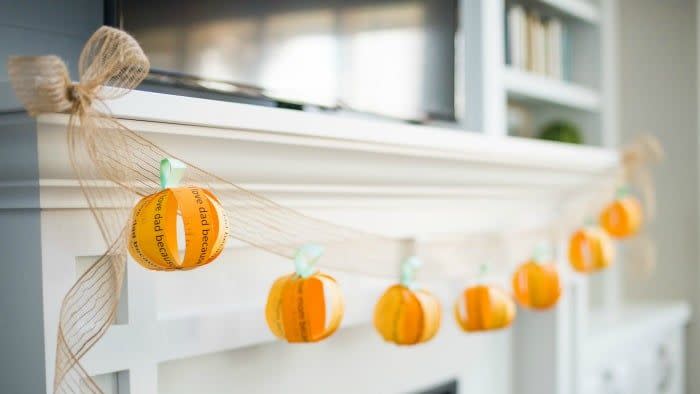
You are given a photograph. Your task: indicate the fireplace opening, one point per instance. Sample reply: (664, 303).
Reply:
(449, 387)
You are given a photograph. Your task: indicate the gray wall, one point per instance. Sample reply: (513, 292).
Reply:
(22, 366)
(658, 92)
(28, 27)
(40, 27)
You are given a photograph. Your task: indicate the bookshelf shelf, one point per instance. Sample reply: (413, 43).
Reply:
(578, 9)
(526, 86)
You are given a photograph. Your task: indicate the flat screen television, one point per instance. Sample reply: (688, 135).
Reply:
(389, 57)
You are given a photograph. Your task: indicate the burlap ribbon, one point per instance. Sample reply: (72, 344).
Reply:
(101, 149)
(637, 159)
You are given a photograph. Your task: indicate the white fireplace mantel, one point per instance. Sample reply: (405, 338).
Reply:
(314, 159)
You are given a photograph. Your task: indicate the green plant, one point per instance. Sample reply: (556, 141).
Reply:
(562, 131)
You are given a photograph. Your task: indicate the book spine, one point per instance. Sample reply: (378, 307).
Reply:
(553, 33)
(536, 44)
(523, 39)
(515, 23)
(509, 41)
(531, 42)
(539, 46)
(566, 53)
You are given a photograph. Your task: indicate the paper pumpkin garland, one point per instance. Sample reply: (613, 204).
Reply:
(537, 285)
(306, 306)
(590, 250)
(484, 308)
(622, 218)
(405, 316)
(153, 232)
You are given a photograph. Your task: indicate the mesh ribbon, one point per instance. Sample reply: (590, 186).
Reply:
(636, 158)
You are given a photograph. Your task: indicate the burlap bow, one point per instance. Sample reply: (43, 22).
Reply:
(109, 58)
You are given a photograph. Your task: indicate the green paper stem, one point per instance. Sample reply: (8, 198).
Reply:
(590, 221)
(171, 172)
(408, 271)
(306, 258)
(541, 253)
(622, 191)
(483, 270)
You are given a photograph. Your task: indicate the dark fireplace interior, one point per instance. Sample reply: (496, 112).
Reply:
(449, 387)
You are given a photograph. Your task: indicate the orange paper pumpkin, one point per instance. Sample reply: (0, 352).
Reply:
(622, 218)
(407, 317)
(590, 250)
(304, 309)
(536, 285)
(484, 308)
(153, 236)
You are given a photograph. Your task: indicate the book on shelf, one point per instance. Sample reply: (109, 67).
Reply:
(554, 48)
(516, 25)
(535, 43)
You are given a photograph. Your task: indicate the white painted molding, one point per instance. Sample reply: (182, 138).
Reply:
(317, 159)
(169, 114)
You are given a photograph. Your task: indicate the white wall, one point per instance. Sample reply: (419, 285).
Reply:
(658, 94)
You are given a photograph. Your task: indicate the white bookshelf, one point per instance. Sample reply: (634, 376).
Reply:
(551, 354)
(490, 84)
(525, 86)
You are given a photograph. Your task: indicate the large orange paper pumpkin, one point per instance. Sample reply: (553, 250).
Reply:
(536, 285)
(622, 218)
(483, 308)
(407, 317)
(304, 309)
(153, 233)
(590, 250)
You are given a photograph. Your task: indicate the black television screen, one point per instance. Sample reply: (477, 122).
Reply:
(388, 57)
